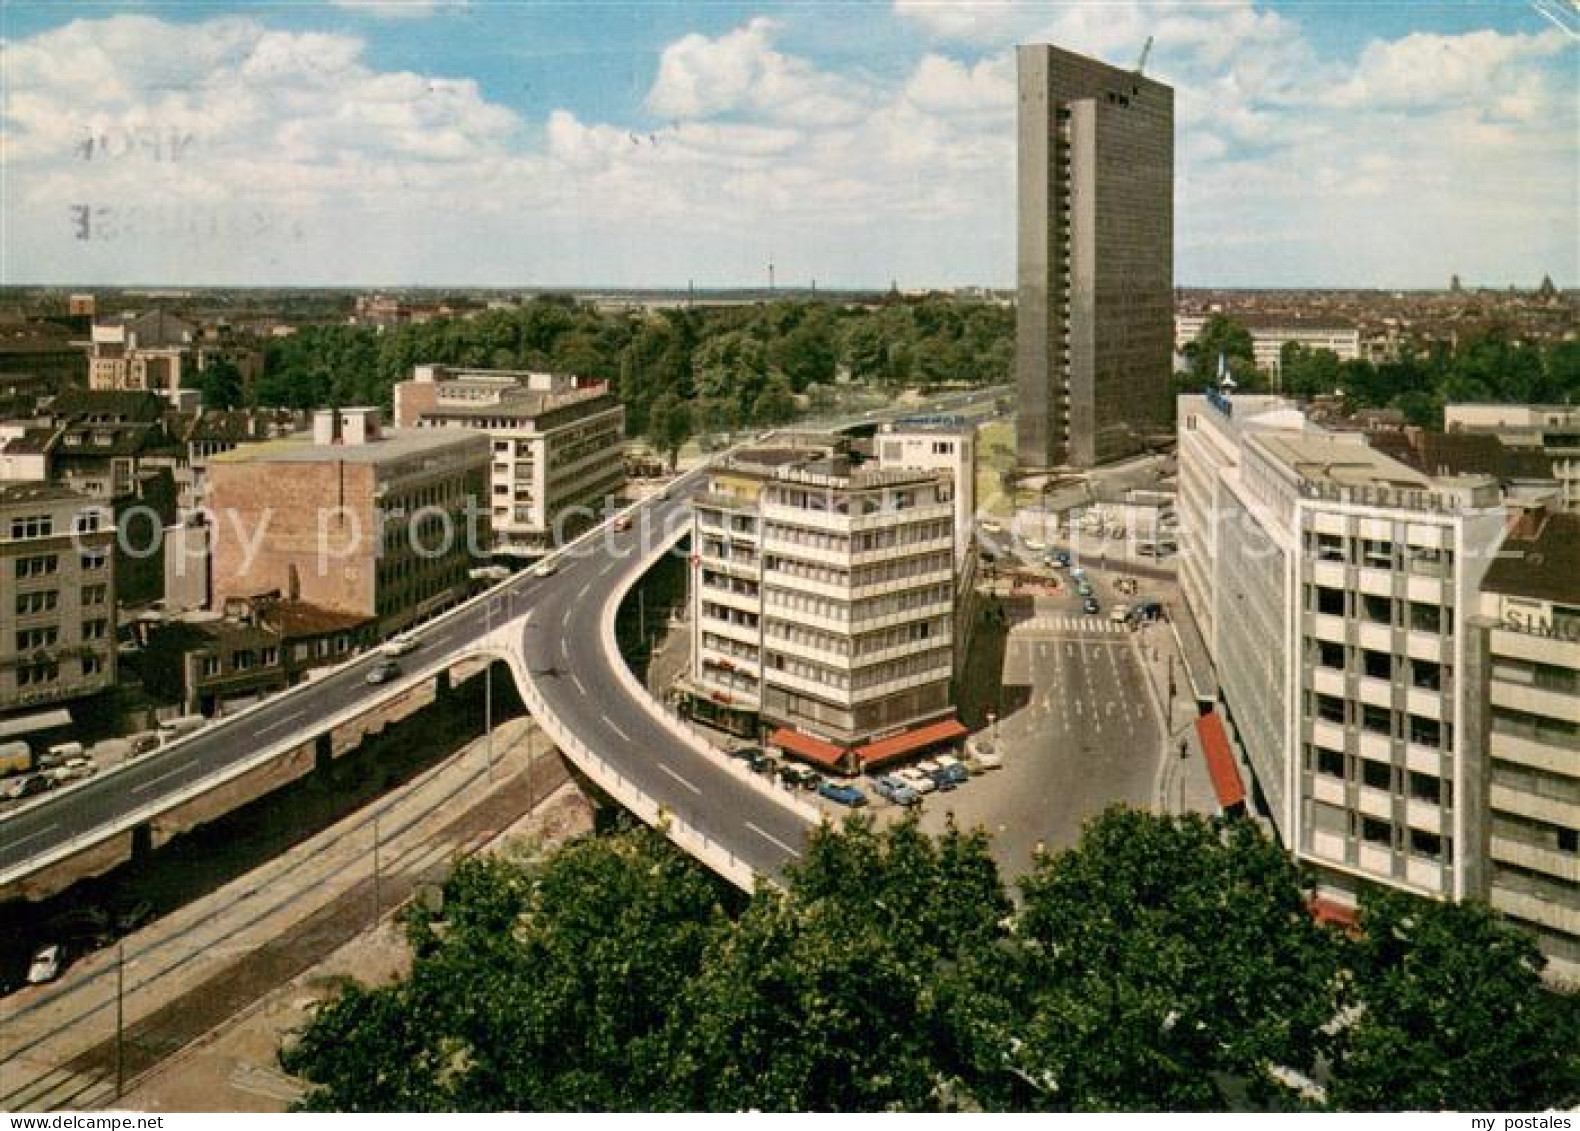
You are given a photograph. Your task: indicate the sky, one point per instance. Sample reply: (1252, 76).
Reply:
(854, 144)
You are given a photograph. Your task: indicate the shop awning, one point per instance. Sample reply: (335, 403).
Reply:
(1220, 761)
(1331, 911)
(805, 746)
(896, 746)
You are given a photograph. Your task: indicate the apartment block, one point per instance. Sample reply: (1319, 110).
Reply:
(558, 446)
(939, 445)
(57, 615)
(1095, 258)
(1526, 645)
(351, 518)
(824, 595)
(1332, 586)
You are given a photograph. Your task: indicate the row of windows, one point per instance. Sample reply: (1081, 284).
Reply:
(1380, 554)
(729, 647)
(713, 579)
(729, 615)
(1536, 783)
(1379, 775)
(242, 659)
(41, 566)
(1425, 674)
(1537, 834)
(1415, 615)
(1547, 677)
(871, 609)
(862, 678)
(1536, 728)
(1379, 720)
(31, 639)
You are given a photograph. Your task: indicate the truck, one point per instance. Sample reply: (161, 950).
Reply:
(15, 758)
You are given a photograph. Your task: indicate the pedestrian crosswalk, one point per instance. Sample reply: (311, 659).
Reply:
(1087, 625)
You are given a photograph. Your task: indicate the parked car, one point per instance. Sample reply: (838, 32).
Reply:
(798, 777)
(142, 743)
(622, 523)
(1035, 545)
(1091, 607)
(75, 769)
(1077, 572)
(1119, 614)
(744, 753)
(982, 754)
(46, 965)
(894, 789)
(383, 672)
(950, 774)
(1148, 610)
(546, 569)
(842, 794)
(1061, 558)
(1083, 588)
(916, 779)
(763, 763)
(400, 645)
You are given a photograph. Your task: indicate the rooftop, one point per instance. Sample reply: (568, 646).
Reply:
(395, 444)
(31, 492)
(1543, 564)
(1339, 461)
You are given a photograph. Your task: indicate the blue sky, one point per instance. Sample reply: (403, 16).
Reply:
(372, 143)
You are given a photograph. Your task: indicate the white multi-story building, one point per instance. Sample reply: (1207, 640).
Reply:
(558, 446)
(823, 595)
(1269, 336)
(1332, 586)
(1526, 645)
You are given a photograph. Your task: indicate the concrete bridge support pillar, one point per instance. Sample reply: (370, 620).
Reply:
(142, 840)
(323, 752)
(442, 684)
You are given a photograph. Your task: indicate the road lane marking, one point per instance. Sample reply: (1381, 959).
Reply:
(151, 782)
(617, 730)
(577, 680)
(773, 840)
(21, 840)
(681, 780)
(287, 720)
(581, 594)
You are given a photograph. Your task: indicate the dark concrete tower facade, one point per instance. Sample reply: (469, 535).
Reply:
(1094, 326)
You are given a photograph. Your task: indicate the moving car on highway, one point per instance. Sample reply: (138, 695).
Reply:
(383, 672)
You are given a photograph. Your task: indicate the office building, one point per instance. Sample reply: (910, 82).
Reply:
(1525, 647)
(1332, 586)
(351, 518)
(937, 445)
(1095, 254)
(558, 446)
(823, 594)
(57, 616)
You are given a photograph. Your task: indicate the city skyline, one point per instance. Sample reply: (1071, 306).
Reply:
(383, 144)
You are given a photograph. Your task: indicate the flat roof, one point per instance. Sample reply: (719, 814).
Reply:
(1320, 458)
(393, 444)
(40, 492)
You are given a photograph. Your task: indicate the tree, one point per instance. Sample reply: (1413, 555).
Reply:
(776, 405)
(219, 384)
(670, 426)
(1452, 1015)
(1160, 958)
(806, 353)
(1222, 336)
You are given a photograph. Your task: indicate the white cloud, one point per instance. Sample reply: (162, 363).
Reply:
(226, 150)
(740, 72)
(399, 9)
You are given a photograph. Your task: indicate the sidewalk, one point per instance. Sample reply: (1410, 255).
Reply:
(1183, 785)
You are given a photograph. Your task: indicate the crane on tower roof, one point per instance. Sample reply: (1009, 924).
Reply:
(1146, 52)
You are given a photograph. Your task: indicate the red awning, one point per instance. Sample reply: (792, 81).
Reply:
(887, 749)
(805, 746)
(1331, 911)
(1220, 762)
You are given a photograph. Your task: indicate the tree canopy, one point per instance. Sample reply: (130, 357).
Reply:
(1161, 963)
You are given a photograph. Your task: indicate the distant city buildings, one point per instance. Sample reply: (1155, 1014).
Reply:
(158, 352)
(824, 597)
(1095, 259)
(1548, 433)
(57, 612)
(557, 444)
(351, 518)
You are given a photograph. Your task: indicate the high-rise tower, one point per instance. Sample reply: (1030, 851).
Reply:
(1094, 327)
